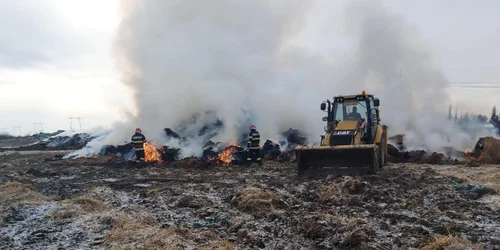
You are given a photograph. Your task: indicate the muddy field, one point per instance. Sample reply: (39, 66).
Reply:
(104, 203)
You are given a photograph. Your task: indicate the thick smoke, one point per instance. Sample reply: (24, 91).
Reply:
(183, 58)
(187, 57)
(390, 61)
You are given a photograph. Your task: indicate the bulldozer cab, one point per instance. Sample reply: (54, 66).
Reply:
(354, 112)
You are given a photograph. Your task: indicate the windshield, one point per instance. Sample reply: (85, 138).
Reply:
(350, 110)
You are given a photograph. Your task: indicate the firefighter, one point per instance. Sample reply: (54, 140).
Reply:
(254, 146)
(138, 140)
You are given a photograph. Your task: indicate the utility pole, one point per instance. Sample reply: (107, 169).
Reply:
(4, 130)
(41, 125)
(71, 123)
(79, 118)
(18, 128)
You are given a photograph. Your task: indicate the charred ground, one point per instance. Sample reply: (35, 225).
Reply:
(104, 202)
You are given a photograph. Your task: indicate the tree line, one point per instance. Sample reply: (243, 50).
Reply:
(469, 118)
(494, 119)
(466, 118)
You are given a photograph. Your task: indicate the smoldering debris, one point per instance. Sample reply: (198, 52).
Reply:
(398, 152)
(58, 141)
(171, 134)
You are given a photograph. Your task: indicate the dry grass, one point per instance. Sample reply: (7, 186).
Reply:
(66, 211)
(131, 233)
(16, 192)
(151, 192)
(487, 175)
(69, 209)
(102, 193)
(258, 201)
(464, 216)
(219, 245)
(434, 210)
(352, 186)
(326, 191)
(89, 204)
(450, 242)
(359, 231)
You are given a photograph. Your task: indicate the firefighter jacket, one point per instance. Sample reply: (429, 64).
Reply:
(253, 140)
(138, 141)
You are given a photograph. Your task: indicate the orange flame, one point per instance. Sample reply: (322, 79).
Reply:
(226, 157)
(151, 153)
(472, 155)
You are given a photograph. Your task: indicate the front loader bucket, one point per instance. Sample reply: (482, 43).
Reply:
(337, 160)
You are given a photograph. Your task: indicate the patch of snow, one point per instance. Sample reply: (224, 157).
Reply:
(20, 231)
(228, 181)
(67, 177)
(493, 201)
(110, 179)
(142, 185)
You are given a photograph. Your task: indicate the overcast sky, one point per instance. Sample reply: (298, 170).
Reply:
(56, 55)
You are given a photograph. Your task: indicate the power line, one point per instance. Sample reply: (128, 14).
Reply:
(494, 82)
(475, 87)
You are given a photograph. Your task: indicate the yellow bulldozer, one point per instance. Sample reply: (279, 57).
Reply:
(354, 143)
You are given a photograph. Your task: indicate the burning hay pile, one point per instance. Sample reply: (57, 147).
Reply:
(487, 150)
(213, 151)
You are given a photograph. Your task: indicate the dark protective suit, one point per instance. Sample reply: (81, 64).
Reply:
(254, 147)
(354, 116)
(138, 141)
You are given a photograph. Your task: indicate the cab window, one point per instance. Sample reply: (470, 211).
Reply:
(355, 110)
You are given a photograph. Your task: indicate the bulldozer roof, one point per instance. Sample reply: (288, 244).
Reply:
(352, 96)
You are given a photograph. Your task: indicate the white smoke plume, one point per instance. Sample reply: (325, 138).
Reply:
(414, 103)
(183, 57)
(187, 57)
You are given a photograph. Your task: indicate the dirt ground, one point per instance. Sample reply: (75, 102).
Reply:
(107, 204)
